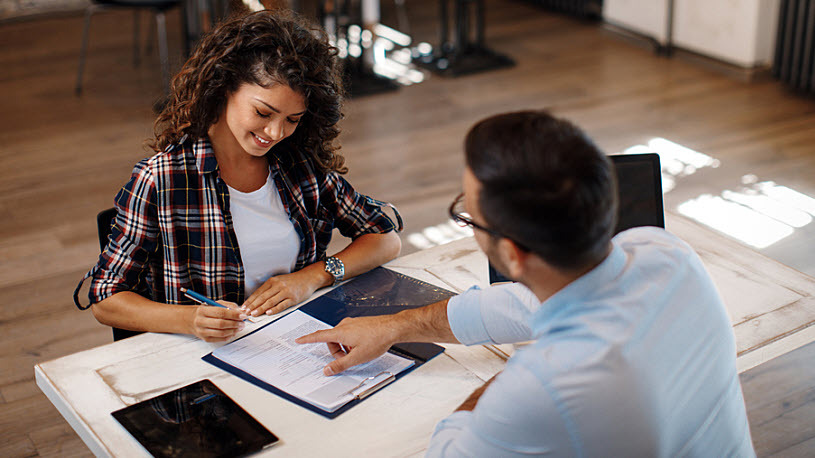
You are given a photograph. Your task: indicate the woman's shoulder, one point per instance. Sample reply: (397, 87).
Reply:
(168, 160)
(162, 169)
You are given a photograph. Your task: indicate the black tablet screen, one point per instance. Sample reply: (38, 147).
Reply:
(196, 420)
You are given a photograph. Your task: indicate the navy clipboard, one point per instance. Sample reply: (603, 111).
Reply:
(380, 291)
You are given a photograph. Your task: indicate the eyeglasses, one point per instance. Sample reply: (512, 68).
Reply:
(463, 219)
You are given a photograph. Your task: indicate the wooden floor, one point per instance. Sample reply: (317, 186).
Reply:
(62, 158)
(779, 395)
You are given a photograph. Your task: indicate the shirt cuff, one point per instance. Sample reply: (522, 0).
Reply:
(464, 315)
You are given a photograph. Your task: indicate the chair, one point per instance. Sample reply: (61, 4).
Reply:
(103, 222)
(158, 7)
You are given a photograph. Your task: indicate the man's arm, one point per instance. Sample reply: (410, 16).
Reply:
(499, 314)
(359, 340)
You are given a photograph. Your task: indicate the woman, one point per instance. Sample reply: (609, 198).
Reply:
(240, 200)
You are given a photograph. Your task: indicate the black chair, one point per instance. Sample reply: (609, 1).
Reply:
(158, 7)
(103, 222)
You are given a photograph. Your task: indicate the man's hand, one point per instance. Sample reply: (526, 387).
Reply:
(214, 324)
(356, 340)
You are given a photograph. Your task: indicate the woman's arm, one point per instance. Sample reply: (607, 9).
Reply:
(128, 310)
(283, 291)
(365, 253)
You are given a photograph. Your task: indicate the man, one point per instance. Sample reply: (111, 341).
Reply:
(633, 353)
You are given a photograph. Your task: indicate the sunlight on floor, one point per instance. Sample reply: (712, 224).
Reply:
(438, 235)
(756, 213)
(676, 160)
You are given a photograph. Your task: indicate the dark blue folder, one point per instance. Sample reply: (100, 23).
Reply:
(378, 292)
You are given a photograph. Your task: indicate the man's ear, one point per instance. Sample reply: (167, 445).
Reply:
(514, 258)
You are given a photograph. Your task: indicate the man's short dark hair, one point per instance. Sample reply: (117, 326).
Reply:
(545, 185)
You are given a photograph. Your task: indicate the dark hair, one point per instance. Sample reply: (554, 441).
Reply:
(261, 48)
(545, 185)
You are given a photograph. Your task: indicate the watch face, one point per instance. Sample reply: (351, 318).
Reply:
(334, 267)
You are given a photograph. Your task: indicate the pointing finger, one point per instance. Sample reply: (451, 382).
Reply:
(325, 335)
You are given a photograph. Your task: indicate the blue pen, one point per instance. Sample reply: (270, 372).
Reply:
(204, 398)
(201, 299)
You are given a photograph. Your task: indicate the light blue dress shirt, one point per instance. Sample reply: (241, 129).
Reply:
(635, 358)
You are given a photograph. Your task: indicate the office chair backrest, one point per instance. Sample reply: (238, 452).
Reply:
(103, 225)
(103, 222)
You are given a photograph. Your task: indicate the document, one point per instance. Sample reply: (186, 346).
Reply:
(269, 358)
(271, 355)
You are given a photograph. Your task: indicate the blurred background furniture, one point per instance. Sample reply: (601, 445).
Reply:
(197, 17)
(355, 28)
(587, 9)
(794, 62)
(157, 7)
(467, 51)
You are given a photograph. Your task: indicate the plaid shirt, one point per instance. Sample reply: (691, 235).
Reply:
(173, 227)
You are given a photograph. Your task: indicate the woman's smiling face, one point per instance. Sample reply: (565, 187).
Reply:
(259, 117)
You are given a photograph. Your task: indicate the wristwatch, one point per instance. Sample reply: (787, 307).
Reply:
(335, 267)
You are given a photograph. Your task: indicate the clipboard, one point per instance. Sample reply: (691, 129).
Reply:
(380, 291)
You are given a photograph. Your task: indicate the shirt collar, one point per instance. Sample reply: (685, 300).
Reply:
(207, 163)
(564, 301)
(274, 165)
(204, 155)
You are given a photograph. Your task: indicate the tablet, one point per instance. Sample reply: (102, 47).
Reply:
(196, 420)
(639, 186)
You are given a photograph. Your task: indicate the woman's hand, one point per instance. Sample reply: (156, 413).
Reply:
(283, 291)
(215, 324)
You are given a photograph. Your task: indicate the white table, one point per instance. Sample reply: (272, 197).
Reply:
(396, 421)
(772, 308)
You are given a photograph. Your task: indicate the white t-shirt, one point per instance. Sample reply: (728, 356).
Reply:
(267, 239)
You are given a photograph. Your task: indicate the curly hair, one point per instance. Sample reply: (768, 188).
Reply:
(262, 48)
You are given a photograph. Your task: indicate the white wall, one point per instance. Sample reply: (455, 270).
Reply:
(648, 17)
(740, 32)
